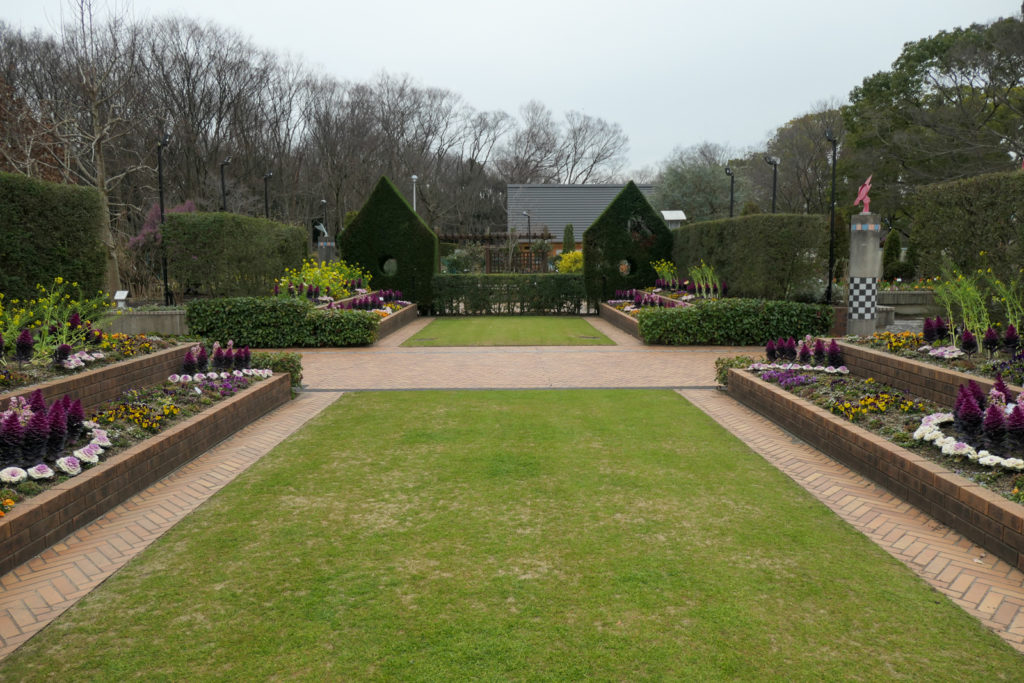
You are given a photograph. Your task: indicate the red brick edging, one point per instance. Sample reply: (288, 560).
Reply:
(921, 379)
(623, 321)
(984, 517)
(397, 321)
(96, 387)
(39, 522)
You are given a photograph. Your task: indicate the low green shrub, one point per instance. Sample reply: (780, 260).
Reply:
(733, 322)
(276, 322)
(508, 294)
(723, 365)
(280, 361)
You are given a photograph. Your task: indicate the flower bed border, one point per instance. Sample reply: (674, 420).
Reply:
(917, 378)
(623, 321)
(984, 517)
(38, 522)
(97, 386)
(397, 321)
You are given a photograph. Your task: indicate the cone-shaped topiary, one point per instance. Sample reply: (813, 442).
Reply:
(804, 355)
(770, 351)
(620, 245)
(1011, 340)
(819, 351)
(835, 354)
(35, 438)
(10, 440)
(990, 342)
(24, 346)
(994, 424)
(58, 426)
(390, 241)
(929, 330)
(968, 343)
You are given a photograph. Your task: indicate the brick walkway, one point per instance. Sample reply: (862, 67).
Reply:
(40, 590)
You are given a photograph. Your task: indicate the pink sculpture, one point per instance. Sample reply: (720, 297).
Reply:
(862, 195)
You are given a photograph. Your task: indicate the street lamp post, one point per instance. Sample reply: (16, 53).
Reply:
(529, 226)
(414, 179)
(323, 207)
(266, 193)
(774, 163)
(831, 220)
(732, 187)
(168, 298)
(223, 189)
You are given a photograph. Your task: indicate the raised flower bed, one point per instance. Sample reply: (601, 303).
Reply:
(984, 517)
(39, 521)
(623, 321)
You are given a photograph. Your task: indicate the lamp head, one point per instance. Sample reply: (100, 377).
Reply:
(164, 140)
(268, 174)
(728, 171)
(323, 202)
(771, 161)
(415, 178)
(828, 136)
(226, 161)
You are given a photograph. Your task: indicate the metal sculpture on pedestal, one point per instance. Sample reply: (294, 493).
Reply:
(865, 266)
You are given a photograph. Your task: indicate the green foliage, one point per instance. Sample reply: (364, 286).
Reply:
(48, 230)
(975, 222)
(278, 322)
(568, 239)
(769, 256)
(226, 254)
(694, 179)
(280, 361)
(48, 317)
(508, 294)
(570, 262)
(469, 258)
(330, 276)
(391, 242)
(723, 365)
(733, 322)
(665, 269)
(892, 265)
(621, 244)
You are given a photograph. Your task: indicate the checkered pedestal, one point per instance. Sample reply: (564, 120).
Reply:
(863, 298)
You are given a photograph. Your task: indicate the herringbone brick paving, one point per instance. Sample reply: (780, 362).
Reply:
(40, 590)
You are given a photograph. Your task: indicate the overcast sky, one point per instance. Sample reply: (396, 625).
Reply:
(670, 72)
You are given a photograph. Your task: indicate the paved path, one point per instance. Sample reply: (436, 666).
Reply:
(40, 590)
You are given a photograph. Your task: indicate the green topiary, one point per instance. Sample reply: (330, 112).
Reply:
(390, 241)
(892, 266)
(733, 322)
(568, 239)
(621, 244)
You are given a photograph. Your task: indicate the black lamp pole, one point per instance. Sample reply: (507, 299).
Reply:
(831, 221)
(323, 205)
(774, 163)
(529, 229)
(732, 187)
(168, 298)
(223, 189)
(266, 193)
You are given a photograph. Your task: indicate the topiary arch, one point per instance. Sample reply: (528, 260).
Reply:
(389, 240)
(619, 247)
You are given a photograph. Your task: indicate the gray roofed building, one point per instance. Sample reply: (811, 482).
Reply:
(554, 206)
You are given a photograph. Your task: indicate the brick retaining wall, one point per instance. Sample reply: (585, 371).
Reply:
(984, 517)
(38, 522)
(623, 321)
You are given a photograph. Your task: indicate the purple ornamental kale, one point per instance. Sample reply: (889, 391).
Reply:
(770, 352)
(10, 440)
(36, 401)
(76, 417)
(994, 425)
(58, 426)
(35, 438)
(1010, 339)
(835, 354)
(819, 351)
(23, 346)
(990, 342)
(929, 330)
(189, 364)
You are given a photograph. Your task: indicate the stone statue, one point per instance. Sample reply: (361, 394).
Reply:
(862, 195)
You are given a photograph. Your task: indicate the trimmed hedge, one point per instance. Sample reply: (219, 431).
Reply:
(475, 294)
(628, 230)
(733, 322)
(767, 256)
(279, 322)
(963, 218)
(49, 230)
(280, 361)
(225, 254)
(387, 228)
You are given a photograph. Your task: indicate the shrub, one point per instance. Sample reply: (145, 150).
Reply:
(392, 243)
(621, 244)
(508, 294)
(332, 278)
(281, 361)
(275, 322)
(570, 262)
(225, 254)
(568, 239)
(49, 230)
(734, 322)
(723, 365)
(770, 256)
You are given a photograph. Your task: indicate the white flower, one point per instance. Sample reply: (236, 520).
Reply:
(185, 379)
(13, 475)
(40, 471)
(238, 373)
(247, 371)
(1013, 464)
(173, 379)
(224, 375)
(98, 355)
(69, 465)
(198, 377)
(100, 438)
(88, 455)
(89, 424)
(990, 461)
(72, 363)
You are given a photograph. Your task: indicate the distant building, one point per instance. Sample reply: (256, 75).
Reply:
(673, 219)
(552, 207)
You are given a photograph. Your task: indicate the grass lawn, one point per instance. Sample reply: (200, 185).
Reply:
(546, 535)
(518, 330)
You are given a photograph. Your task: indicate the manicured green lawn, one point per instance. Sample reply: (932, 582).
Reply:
(548, 535)
(516, 330)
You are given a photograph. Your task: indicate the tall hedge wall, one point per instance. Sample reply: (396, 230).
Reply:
(630, 231)
(966, 217)
(387, 228)
(763, 256)
(48, 230)
(225, 254)
(478, 294)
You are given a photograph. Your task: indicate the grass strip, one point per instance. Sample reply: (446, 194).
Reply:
(614, 534)
(517, 330)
